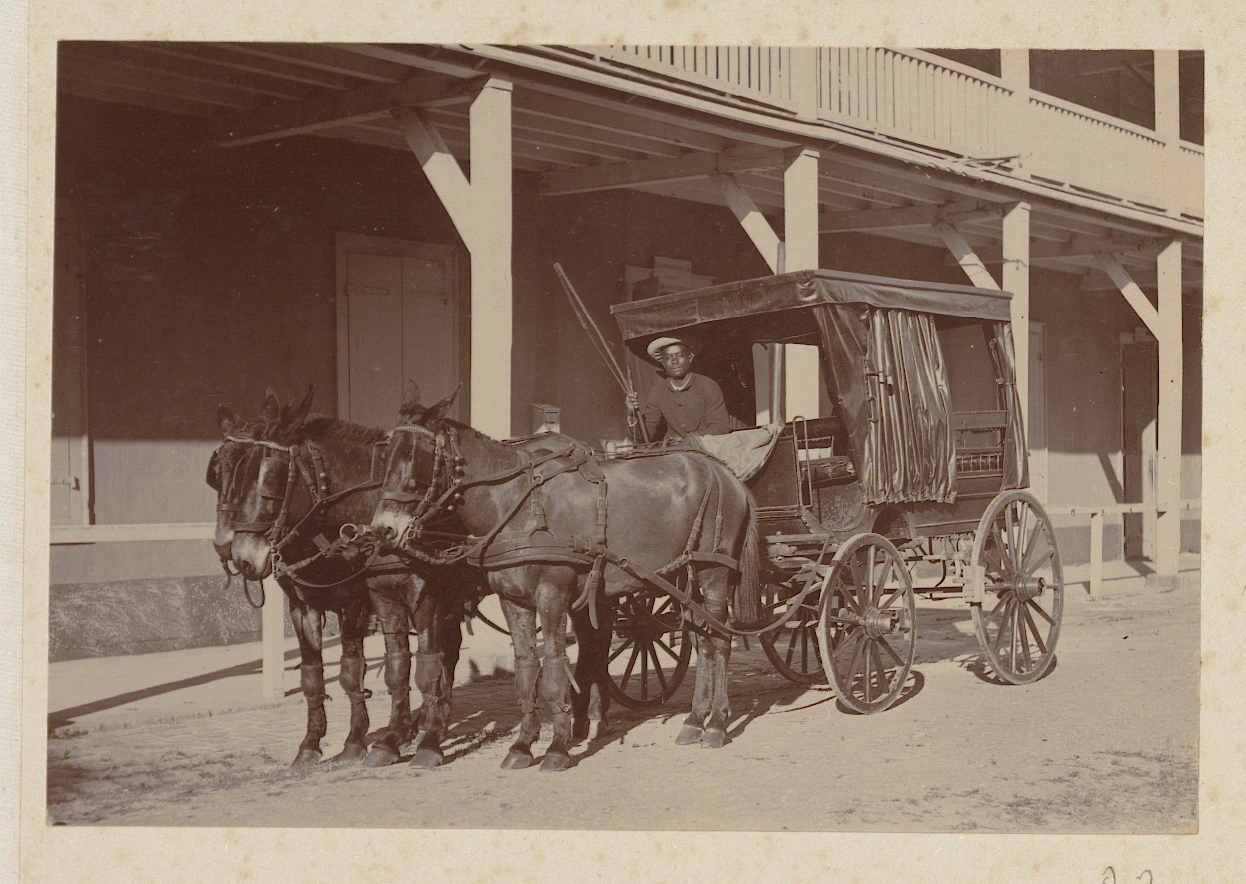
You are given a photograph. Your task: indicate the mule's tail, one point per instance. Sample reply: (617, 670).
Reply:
(748, 587)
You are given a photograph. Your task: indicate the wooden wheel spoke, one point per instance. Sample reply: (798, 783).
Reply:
(1029, 546)
(623, 647)
(884, 680)
(1003, 623)
(631, 664)
(1012, 639)
(871, 576)
(1010, 523)
(1050, 554)
(791, 646)
(866, 669)
(657, 669)
(993, 558)
(1038, 639)
(1037, 607)
(851, 599)
(664, 646)
(995, 611)
(891, 651)
(1024, 637)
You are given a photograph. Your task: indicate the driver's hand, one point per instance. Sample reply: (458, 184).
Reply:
(633, 402)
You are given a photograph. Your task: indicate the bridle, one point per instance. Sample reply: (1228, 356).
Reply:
(305, 462)
(439, 453)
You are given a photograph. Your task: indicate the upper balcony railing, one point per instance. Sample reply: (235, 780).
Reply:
(913, 97)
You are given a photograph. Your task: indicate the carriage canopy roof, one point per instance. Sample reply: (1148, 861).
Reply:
(805, 288)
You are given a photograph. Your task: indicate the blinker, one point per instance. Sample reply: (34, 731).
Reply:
(270, 482)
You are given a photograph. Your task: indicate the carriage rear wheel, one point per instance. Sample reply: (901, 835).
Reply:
(1019, 621)
(868, 625)
(649, 651)
(793, 648)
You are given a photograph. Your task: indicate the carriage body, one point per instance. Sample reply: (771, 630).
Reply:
(920, 444)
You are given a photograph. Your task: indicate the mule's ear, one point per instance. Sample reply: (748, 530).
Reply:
(271, 408)
(437, 413)
(292, 418)
(227, 421)
(410, 398)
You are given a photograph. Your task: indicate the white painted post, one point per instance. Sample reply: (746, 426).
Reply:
(1096, 553)
(1016, 279)
(1014, 72)
(490, 245)
(1168, 430)
(803, 80)
(800, 252)
(272, 641)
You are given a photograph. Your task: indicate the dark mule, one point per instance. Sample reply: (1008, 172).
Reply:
(676, 512)
(297, 485)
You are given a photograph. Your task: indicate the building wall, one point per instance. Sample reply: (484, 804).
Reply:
(208, 275)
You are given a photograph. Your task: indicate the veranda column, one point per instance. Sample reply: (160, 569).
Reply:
(1014, 73)
(490, 245)
(800, 236)
(1016, 279)
(1168, 428)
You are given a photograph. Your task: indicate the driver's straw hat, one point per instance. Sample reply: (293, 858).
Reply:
(657, 345)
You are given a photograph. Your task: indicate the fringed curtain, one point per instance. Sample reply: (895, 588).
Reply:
(891, 384)
(1016, 462)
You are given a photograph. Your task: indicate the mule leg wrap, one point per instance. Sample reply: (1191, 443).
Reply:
(556, 686)
(428, 675)
(398, 673)
(526, 671)
(311, 680)
(351, 678)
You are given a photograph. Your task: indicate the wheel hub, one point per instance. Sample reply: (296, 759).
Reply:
(1029, 588)
(879, 622)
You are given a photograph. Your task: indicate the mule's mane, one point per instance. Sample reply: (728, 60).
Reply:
(330, 429)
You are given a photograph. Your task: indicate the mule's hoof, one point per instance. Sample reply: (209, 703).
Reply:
(380, 756)
(715, 738)
(689, 735)
(427, 759)
(350, 753)
(555, 761)
(596, 729)
(517, 760)
(580, 729)
(306, 758)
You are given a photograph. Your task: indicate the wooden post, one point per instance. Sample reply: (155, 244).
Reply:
(1014, 72)
(490, 245)
(272, 641)
(1168, 429)
(1016, 279)
(800, 252)
(1096, 554)
(803, 81)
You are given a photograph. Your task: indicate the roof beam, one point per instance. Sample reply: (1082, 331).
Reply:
(611, 176)
(344, 109)
(909, 216)
(1082, 248)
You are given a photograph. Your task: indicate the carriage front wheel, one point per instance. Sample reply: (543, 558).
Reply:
(1018, 618)
(649, 651)
(868, 625)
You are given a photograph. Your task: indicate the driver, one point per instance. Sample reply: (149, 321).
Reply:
(684, 401)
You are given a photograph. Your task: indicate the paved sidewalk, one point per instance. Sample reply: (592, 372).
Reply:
(113, 692)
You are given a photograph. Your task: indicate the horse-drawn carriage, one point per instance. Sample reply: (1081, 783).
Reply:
(647, 548)
(921, 461)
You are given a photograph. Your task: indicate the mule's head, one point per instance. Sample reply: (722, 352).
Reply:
(223, 477)
(263, 485)
(410, 459)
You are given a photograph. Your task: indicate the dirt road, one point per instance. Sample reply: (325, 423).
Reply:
(1106, 743)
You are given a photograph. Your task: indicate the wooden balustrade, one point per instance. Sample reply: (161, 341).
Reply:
(757, 72)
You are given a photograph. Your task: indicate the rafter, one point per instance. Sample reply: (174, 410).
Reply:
(611, 176)
(909, 216)
(356, 106)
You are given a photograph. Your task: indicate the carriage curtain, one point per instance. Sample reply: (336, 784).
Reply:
(1016, 462)
(888, 376)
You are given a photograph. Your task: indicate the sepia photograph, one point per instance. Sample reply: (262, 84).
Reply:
(464, 437)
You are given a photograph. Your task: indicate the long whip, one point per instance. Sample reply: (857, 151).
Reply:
(590, 327)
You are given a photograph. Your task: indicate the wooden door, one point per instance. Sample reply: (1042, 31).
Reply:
(397, 301)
